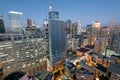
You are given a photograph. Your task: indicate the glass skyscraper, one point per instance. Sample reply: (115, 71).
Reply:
(15, 22)
(56, 40)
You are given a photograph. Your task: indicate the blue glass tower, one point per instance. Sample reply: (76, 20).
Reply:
(56, 40)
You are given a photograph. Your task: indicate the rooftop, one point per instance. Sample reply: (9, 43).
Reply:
(101, 68)
(44, 75)
(84, 71)
(13, 12)
(115, 68)
(83, 50)
(89, 46)
(83, 64)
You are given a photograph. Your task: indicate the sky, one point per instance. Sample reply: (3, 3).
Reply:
(87, 11)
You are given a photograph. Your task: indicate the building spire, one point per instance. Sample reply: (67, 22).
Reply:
(50, 7)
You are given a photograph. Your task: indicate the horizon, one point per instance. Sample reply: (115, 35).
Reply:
(85, 11)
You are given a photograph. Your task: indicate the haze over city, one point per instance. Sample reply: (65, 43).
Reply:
(84, 10)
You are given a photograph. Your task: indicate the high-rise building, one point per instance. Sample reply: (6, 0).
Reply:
(89, 34)
(118, 41)
(15, 22)
(68, 25)
(74, 29)
(29, 22)
(68, 29)
(79, 29)
(95, 30)
(22, 52)
(2, 27)
(32, 28)
(96, 25)
(89, 29)
(111, 27)
(56, 38)
(100, 45)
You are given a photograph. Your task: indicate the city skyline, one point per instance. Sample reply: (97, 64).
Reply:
(85, 11)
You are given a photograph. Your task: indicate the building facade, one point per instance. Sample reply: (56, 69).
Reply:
(15, 22)
(22, 52)
(2, 27)
(55, 36)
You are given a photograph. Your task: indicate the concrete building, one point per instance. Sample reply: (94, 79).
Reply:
(44, 75)
(75, 43)
(100, 45)
(83, 74)
(32, 28)
(69, 69)
(74, 29)
(2, 27)
(114, 72)
(95, 30)
(118, 41)
(113, 39)
(68, 27)
(104, 31)
(22, 52)
(15, 22)
(79, 27)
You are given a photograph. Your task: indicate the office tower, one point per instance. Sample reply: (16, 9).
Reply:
(74, 29)
(89, 34)
(57, 40)
(79, 29)
(113, 37)
(96, 25)
(68, 28)
(100, 45)
(89, 29)
(111, 27)
(2, 27)
(118, 41)
(104, 31)
(95, 30)
(15, 22)
(29, 22)
(32, 28)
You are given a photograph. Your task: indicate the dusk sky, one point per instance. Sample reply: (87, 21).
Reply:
(86, 11)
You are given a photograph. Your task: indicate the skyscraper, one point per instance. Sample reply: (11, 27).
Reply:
(29, 22)
(79, 30)
(56, 40)
(2, 27)
(15, 22)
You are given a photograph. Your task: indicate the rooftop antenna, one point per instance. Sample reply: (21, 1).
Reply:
(50, 7)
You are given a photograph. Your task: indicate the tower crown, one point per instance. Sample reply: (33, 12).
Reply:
(50, 7)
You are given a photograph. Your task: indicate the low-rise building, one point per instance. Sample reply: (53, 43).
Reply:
(83, 74)
(114, 72)
(44, 75)
(82, 51)
(69, 69)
